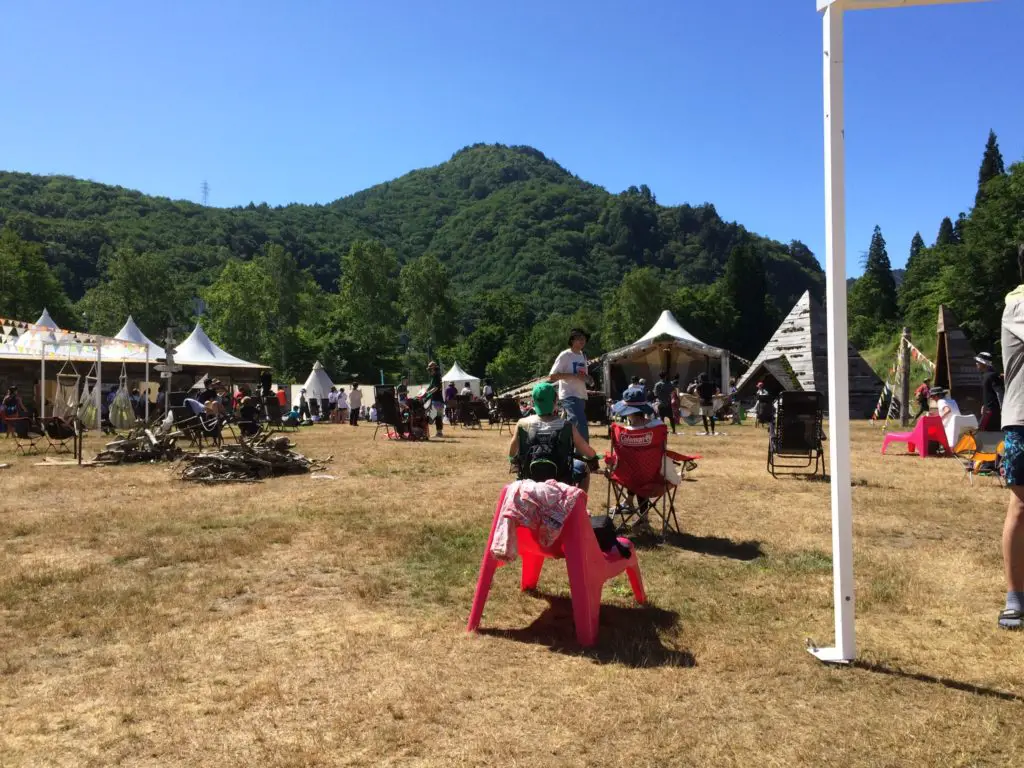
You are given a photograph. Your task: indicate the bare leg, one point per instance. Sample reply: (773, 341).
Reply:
(1013, 541)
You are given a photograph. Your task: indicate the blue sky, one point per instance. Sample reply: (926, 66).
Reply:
(700, 100)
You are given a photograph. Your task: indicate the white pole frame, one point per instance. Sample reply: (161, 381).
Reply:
(845, 650)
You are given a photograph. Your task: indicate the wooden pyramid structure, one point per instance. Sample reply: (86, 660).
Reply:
(955, 369)
(802, 340)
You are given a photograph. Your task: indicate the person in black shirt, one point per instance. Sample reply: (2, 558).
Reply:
(991, 394)
(266, 383)
(663, 397)
(706, 393)
(434, 396)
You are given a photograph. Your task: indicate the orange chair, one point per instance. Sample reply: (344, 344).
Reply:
(589, 568)
(928, 429)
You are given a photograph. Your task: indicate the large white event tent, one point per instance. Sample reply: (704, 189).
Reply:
(833, 61)
(199, 350)
(318, 383)
(24, 343)
(131, 332)
(458, 376)
(667, 346)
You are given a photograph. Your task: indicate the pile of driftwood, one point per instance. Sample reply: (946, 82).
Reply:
(256, 459)
(141, 444)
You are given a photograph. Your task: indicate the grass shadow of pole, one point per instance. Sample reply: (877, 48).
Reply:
(945, 682)
(628, 636)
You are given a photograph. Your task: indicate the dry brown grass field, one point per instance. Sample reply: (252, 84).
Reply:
(302, 621)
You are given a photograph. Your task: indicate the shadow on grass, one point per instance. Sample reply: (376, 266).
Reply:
(627, 636)
(945, 682)
(718, 546)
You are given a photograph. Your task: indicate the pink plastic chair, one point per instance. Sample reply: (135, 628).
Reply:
(928, 429)
(589, 568)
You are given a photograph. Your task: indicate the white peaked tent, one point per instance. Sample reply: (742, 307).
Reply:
(667, 346)
(199, 350)
(459, 377)
(318, 384)
(45, 320)
(131, 332)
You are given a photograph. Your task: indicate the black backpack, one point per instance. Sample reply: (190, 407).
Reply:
(546, 456)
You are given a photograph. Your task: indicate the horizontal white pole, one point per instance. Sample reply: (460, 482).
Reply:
(865, 5)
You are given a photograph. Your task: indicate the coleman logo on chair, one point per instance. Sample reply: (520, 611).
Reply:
(636, 440)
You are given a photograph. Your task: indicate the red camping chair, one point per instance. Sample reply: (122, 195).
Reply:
(589, 568)
(634, 471)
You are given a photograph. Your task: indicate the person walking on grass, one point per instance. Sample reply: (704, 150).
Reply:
(663, 396)
(570, 373)
(705, 391)
(922, 394)
(1012, 335)
(433, 396)
(991, 394)
(355, 402)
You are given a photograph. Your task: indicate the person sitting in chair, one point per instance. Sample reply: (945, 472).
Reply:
(550, 444)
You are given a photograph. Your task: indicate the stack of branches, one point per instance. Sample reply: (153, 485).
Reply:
(263, 456)
(141, 444)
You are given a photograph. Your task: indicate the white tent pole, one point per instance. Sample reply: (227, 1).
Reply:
(726, 373)
(99, 383)
(147, 383)
(42, 381)
(838, 360)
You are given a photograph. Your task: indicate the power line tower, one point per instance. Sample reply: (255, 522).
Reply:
(205, 189)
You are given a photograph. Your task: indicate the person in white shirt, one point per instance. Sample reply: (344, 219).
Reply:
(342, 406)
(355, 402)
(570, 373)
(466, 389)
(332, 404)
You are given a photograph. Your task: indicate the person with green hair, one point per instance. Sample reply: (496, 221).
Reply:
(545, 445)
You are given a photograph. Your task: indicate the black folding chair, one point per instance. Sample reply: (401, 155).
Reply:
(796, 434)
(466, 414)
(509, 413)
(58, 434)
(389, 415)
(25, 433)
(274, 417)
(596, 409)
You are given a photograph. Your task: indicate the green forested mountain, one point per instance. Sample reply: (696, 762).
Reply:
(488, 257)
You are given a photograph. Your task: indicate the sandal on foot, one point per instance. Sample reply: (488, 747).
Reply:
(1011, 618)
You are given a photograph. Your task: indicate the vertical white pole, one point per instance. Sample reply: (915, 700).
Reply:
(838, 361)
(42, 382)
(726, 374)
(147, 384)
(99, 384)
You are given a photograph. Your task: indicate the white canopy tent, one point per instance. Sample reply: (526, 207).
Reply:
(45, 321)
(667, 346)
(198, 349)
(833, 61)
(458, 377)
(47, 342)
(318, 383)
(131, 332)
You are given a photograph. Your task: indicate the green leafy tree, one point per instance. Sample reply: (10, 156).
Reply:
(947, 233)
(873, 307)
(632, 308)
(744, 288)
(991, 166)
(140, 284)
(425, 298)
(366, 306)
(28, 285)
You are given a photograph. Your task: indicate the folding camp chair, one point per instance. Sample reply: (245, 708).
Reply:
(25, 433)
(797, 432)
(465, 414)
(636, 470)
(274, 417)
(508, 413)
(58, 434)
(980, 453)
(395, 424)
